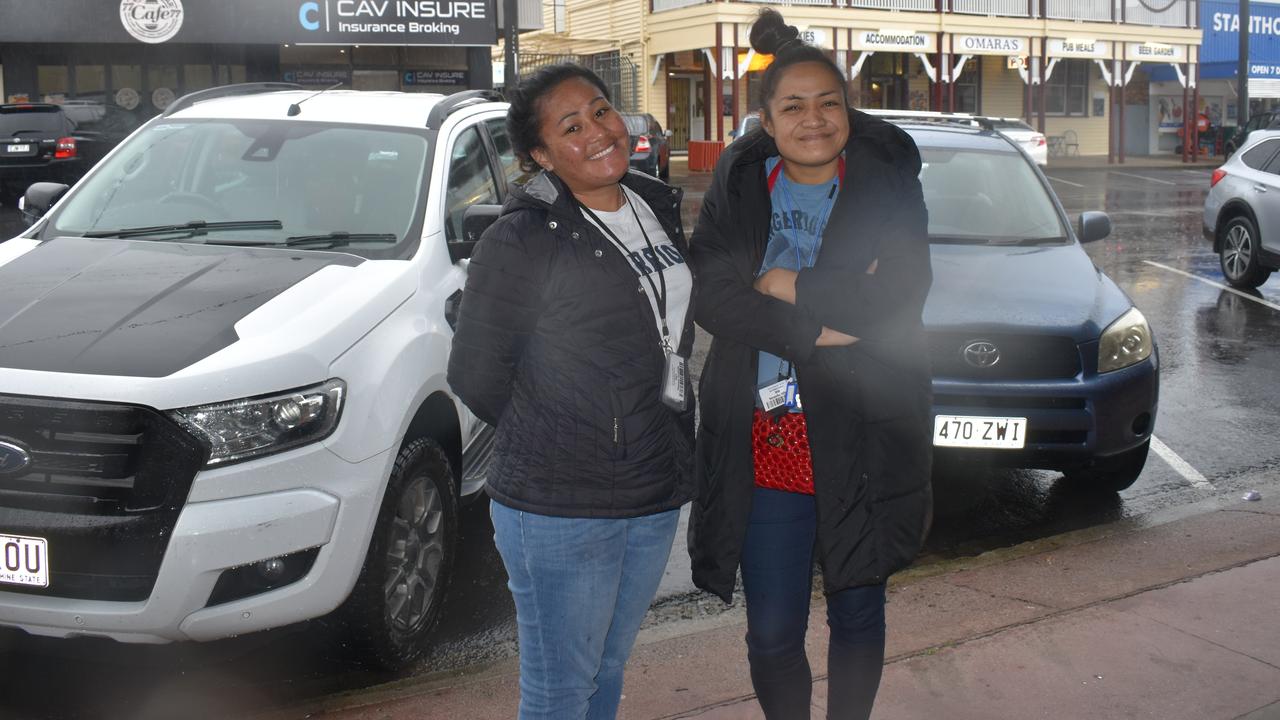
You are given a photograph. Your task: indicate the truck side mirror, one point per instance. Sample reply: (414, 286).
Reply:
(475, 220)
(38, 199)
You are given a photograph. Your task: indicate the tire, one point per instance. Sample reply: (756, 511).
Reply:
(1238, 255)
(1112, 474)
(397, 599)
(665, 173)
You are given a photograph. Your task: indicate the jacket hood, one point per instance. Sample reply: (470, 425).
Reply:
(867, 135)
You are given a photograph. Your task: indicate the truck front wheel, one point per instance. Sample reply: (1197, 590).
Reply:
(397, 599)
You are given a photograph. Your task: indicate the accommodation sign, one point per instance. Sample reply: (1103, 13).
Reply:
(989, 45)
(270, 22)
(1079, 48)
(894, 41)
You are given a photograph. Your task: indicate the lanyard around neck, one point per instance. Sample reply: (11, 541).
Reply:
(660, 296)
(820, 220)
(777, 171)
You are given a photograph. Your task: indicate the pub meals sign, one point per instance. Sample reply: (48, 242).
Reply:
(1079, 48)
(989, 45)
(908, 41)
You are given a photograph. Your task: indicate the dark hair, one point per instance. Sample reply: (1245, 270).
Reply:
(526, 100)
(771, 35)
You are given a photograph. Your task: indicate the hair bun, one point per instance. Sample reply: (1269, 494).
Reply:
(770, 32)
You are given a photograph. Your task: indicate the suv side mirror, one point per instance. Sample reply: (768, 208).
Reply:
(475, 220)
(668, 132)
(1094, 226)
(38, 199)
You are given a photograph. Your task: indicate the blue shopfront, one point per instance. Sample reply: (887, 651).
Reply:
(1219, 60)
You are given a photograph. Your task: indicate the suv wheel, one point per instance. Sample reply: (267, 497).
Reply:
(1112, 474)
(397, 598)
(1239, 254)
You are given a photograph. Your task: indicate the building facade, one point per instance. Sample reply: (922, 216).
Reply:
(1076, 69)
(138, 55)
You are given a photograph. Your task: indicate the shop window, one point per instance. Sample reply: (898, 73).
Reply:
(375, 55)
(969, 88)
(1067, 92)
(53, 83)
(197, 77)
(91, 80)
(230, 74)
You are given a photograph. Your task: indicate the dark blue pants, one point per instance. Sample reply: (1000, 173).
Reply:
(777, 576)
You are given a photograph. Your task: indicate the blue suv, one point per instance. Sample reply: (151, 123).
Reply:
(1039, 359)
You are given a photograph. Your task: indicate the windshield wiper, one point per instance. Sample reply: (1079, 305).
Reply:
(1029, 241)
(191, 229)
(338, 238)
(958, 239)
(981, 240)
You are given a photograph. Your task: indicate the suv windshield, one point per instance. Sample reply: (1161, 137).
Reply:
(19, 121)
(259, 182)
(982, 197)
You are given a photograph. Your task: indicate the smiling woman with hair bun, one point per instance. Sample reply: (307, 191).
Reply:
(815, 442)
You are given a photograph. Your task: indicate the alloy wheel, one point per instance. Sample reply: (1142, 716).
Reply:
(414, 555)
(1237, 251)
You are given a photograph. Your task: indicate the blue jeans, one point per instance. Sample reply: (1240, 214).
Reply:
(582, 587)
(777, 576)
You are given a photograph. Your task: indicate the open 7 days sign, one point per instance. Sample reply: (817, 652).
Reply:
(270, 22)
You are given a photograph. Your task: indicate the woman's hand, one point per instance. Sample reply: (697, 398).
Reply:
(834, 338)
(778, 283)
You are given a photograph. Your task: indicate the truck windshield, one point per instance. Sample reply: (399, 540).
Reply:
(315, 179)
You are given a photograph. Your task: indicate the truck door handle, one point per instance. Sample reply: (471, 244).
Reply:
(1260, 188)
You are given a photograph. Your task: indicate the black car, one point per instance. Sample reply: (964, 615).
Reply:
(650, 145)
(1039, 359)
(42, 142)
(1269, 120)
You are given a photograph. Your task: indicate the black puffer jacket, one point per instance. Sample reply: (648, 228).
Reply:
(867, 405)
(557, 347)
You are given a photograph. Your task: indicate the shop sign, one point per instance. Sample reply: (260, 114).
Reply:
(240, 22)
(894, 41)
(816, 37)
(151, 21)
(1078, 48)
(1221, 22)
(447, 78)
(1155, 53)
(318, 76)
(988, 45)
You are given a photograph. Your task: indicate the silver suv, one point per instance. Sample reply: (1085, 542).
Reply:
(1242, 211)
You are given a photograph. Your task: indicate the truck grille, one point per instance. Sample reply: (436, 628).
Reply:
(104, 486)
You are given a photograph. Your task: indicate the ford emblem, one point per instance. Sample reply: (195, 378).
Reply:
(981, 354)
(13, 458)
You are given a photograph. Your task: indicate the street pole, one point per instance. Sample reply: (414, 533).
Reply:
(1242, 68)
(511, 46)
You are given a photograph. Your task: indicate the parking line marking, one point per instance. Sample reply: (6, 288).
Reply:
(1064, 182)
(1207, 281)
(1143, 177)
(1182, 467)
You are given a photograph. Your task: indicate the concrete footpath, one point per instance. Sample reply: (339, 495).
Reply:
(1177, 620)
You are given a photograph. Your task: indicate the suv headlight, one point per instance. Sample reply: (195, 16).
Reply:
(1126, 342)
(252, 427)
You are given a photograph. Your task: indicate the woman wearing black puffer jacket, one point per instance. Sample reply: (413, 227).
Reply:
(571, 342)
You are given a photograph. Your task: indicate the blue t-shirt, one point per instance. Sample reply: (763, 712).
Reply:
(799, 216)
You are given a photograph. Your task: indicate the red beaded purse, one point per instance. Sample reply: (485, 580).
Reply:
(780, 448)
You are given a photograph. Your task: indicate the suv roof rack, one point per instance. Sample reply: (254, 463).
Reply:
(214, 93)
(457, 101)
(946, 118)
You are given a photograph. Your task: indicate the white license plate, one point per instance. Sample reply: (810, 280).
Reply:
(18, 148)
(1006, 433)
(24, 560)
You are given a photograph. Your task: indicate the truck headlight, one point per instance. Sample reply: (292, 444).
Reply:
(1126, 342)
(252, 427)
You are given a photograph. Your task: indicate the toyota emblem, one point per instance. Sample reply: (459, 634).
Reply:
(12, 458)
(981, 354)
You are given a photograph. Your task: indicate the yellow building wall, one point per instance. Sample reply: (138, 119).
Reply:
(1002, 89)
(1091, 131)
(656, 95)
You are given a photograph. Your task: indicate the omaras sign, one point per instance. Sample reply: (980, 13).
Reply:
(989, 45)
(894, 41)
(272, 22)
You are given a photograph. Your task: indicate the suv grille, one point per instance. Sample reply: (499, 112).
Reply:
(104, 486)
(1020, 357)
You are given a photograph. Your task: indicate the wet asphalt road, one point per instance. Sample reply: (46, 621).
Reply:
(1218, 414)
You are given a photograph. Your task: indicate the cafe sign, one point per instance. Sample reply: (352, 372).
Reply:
(908, 41)
(1079, 48)
(989, 45)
